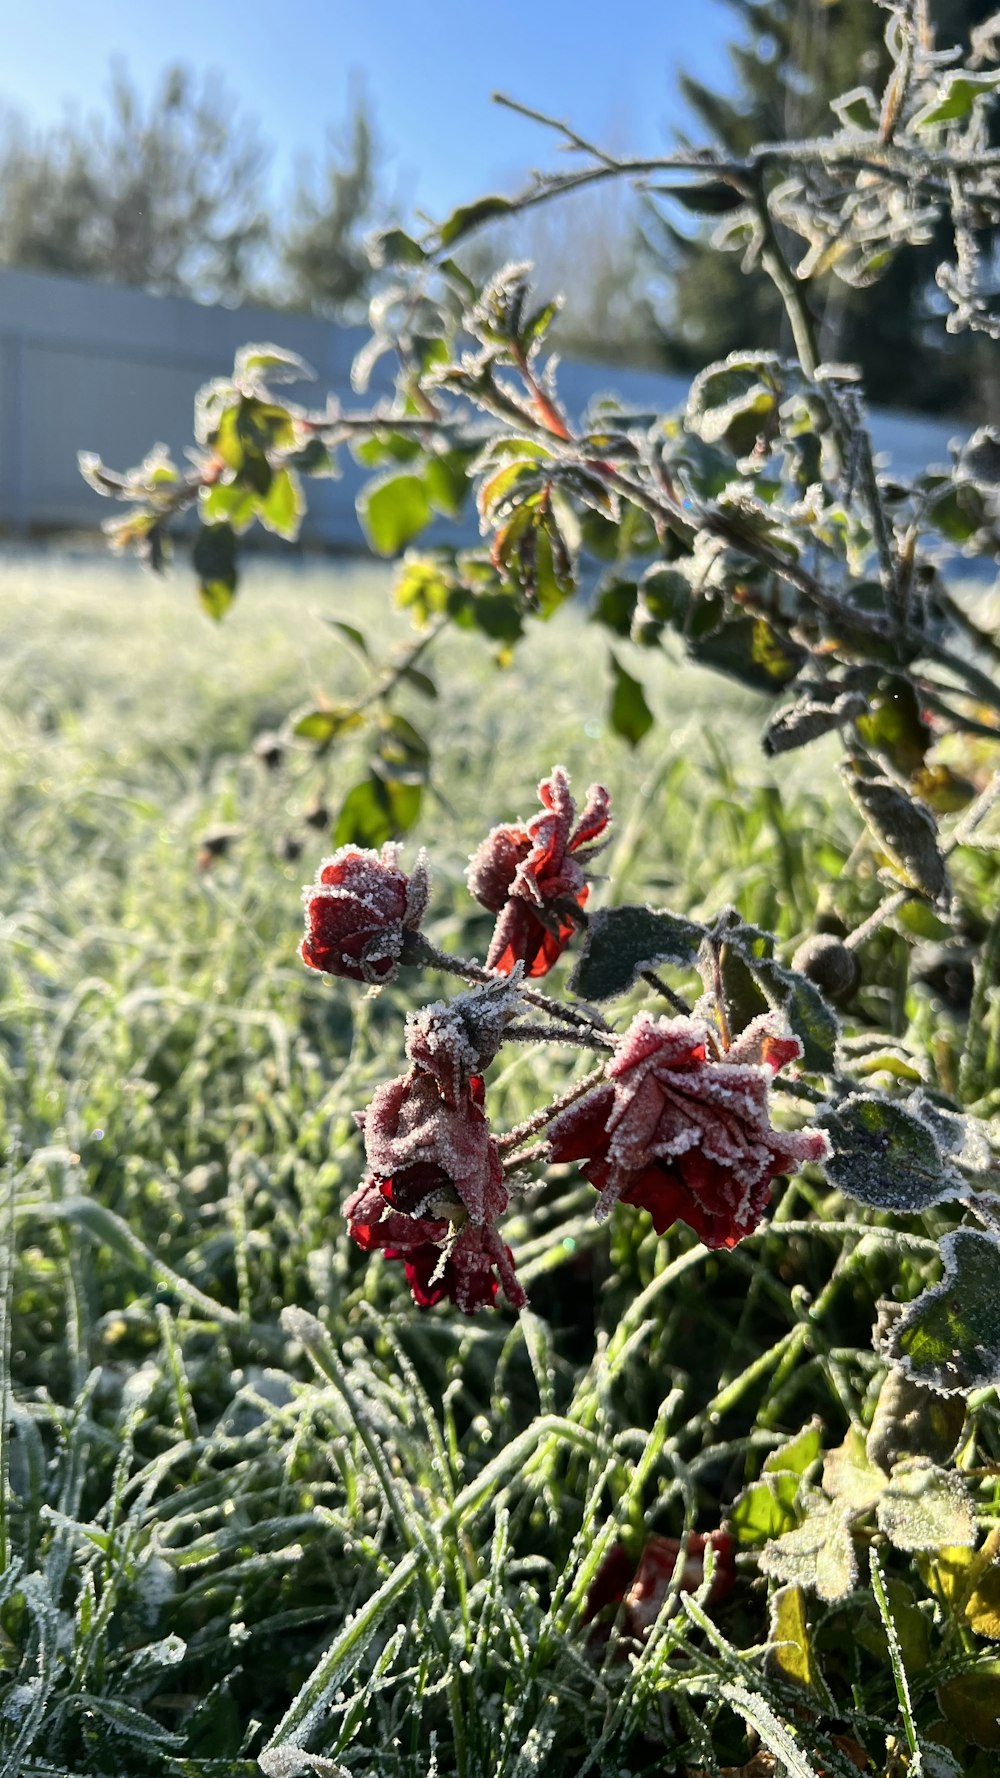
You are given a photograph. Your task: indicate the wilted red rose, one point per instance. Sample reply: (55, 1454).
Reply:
(531, 876)
(643, 1590)
(683, 1131)
(442, 1261)
(358, 910)
(436, 1181)
(408, 1125)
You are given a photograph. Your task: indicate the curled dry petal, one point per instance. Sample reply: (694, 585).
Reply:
(531, 876)
(683, 1133)
(358, 910)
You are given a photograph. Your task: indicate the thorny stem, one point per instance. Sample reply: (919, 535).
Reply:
(538, 1119)
(420, 951)
(883, 912)
(514, 1162)
(526, 1033)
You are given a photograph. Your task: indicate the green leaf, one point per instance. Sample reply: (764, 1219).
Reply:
(447, 482)
(403, 754)
(797, 1455)
(229, 503)
(904, 829)
(819, 1553)
(326, 724)
(387, 446)
(375, 811)
(393, 246)
(281, 508)
(971, 1702)
(789, 1645)
(272, 364)
(883, 1156)
(315, 459)
(665, 596)
(214, 559)
(421, 682)
(764, 1510)
(350, 633)
(748, 649)
(949, 1337)
(807, 719)
(620, 943)
(423, 586)
(472, 216)
(979, 459)
(393, 511)
(925, 1508)
(706, 197)
(614, 606)
(628, 712)
(955, 99)
(893, 725)
(734, 400)
(813, 1021)
(911, 1420)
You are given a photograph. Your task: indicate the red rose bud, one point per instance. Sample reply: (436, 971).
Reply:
(531, 876)
(357, 912)
(683, 1133)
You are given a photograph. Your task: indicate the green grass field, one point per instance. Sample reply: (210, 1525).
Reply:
(363, 1539)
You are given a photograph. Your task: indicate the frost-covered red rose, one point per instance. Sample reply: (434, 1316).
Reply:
(531, 876)
(358, 910)
(684, 1131)
(435, 1188)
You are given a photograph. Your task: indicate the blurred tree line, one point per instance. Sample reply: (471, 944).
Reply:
(174, 197)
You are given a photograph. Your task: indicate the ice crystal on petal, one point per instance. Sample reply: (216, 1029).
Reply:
(408, 1123)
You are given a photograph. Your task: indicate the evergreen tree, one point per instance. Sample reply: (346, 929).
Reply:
(794, 57)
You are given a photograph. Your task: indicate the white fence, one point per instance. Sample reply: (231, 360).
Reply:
(95, 367)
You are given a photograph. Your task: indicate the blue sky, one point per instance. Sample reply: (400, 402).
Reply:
(609, 68)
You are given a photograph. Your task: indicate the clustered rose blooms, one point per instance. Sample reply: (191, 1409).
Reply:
(642, 1590)
(531, 876)
(435, 1188)
(682, 1129)
(358, 910)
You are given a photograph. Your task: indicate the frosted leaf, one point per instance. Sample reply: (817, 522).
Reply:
(949, 1337)
(926, 1508)
(819, 1553)
(851, 1477)
(884, 1156)
(622, 942)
